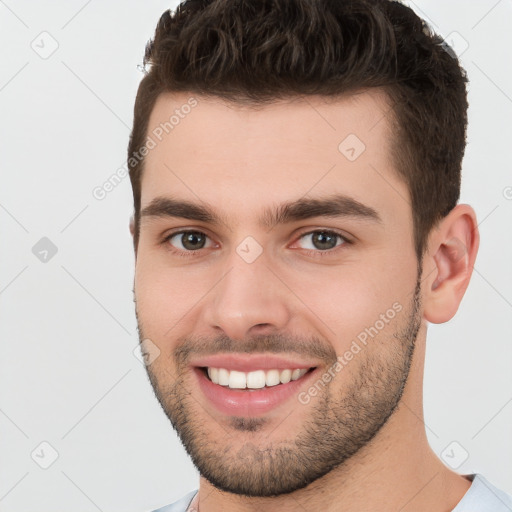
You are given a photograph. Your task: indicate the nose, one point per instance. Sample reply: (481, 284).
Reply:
(248, 300)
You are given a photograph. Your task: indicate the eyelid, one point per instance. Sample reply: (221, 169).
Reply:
(347, 238)
(175, 231)
(180, 231)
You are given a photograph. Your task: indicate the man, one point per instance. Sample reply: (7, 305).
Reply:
(296, 171)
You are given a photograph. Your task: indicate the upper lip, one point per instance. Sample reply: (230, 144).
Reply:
(249, 363)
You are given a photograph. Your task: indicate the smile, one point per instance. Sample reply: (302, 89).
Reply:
(254, 380)
(239, 397)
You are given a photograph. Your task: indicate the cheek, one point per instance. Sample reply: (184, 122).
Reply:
(166, 296)
(347, 303)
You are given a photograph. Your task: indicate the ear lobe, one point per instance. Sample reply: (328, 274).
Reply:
(132, 231)
(132, 226)
(453, 250)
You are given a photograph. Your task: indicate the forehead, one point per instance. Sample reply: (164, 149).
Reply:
(238, 158)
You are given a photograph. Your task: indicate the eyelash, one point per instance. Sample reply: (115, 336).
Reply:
(315, 253)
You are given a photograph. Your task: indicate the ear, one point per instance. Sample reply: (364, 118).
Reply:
(132, 231)
(132, 226)
(448, 263)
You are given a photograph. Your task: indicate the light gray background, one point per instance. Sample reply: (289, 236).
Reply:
(68, 375)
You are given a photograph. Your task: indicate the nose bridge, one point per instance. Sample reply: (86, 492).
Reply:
(248, 295)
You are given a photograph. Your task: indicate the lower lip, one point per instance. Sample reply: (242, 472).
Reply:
(238, 402)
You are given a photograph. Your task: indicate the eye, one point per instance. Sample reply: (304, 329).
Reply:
(188, 240)
(322, 240)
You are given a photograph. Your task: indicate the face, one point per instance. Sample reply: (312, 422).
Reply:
(275, 252)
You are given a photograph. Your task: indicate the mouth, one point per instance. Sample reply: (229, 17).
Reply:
(253, 393)
(253, 380)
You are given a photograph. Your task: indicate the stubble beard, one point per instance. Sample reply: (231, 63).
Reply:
(338, 425)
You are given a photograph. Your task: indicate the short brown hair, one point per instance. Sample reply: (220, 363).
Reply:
(258, 51)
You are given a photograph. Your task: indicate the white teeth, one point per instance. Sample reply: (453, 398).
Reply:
(272, 378)
(254, 380)
(286, 376)
(237, 380)
(295, 374)
(223, 377)
(213, 373)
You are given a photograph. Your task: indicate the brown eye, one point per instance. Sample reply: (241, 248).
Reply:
(188, 240)
(322, 240)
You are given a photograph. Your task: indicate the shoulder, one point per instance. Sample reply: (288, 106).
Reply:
(484, 497)
(180, 505)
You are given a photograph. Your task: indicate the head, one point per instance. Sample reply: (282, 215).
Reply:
(313, 151)
(352, 46)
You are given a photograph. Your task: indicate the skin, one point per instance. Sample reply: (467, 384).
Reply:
(360, 443)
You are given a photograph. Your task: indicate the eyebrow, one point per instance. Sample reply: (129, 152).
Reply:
(334, 206)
